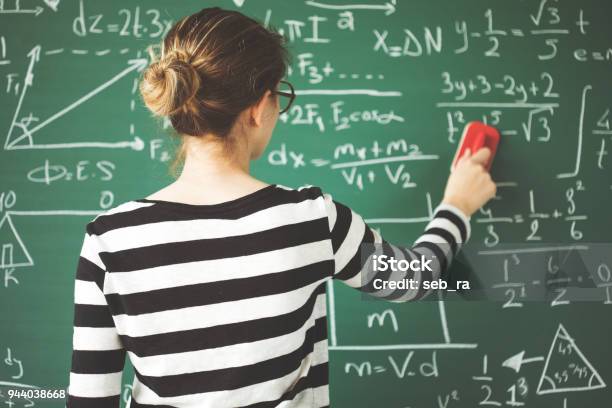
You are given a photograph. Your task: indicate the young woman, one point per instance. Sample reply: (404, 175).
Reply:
(215, 285)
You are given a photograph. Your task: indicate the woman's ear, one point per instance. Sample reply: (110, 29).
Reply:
(257, 110)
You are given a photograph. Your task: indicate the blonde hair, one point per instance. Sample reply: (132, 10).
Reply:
(213, 65)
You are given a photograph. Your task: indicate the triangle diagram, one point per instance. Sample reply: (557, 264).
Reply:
(52, 4)
(13, 252)
(70, 82)
(566, 369)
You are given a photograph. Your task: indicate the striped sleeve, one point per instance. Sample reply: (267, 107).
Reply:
(98, 356)
(354, 243)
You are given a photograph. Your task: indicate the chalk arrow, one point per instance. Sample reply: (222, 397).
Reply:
(389, 7)
(516, 361)
(36, 11)
(239, 3)
(34, 56)
(136, 144)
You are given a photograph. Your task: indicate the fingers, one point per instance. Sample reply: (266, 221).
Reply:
(482, 156)
(460, 160)
(465, 156)
(491, 187)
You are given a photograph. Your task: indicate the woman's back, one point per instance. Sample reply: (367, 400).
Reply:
(221, 305)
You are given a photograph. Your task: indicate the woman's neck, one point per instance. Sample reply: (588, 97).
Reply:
(210, 175)
(208, 158)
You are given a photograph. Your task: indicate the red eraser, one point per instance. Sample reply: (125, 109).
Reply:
(475, 136)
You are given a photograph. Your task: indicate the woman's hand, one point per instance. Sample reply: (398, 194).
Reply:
(469, 185)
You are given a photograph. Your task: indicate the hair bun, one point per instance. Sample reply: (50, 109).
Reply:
(169, 84)
(209, 68)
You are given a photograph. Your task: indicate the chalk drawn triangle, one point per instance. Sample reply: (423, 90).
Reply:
(566, 368)
(13, 252)
(239, 3)
(52, 4)
(24, 126)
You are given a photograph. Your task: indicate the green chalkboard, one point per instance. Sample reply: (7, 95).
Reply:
(384, 91)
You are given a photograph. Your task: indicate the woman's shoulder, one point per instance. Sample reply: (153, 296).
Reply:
(308, 189)
(306, 192)
(106, 218)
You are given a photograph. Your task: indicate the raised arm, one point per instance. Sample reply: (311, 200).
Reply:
(98, 356)
(355, 244)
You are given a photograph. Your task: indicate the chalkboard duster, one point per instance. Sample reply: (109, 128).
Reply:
(475, 136)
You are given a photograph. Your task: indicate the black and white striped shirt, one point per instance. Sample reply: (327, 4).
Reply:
(222, 305)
